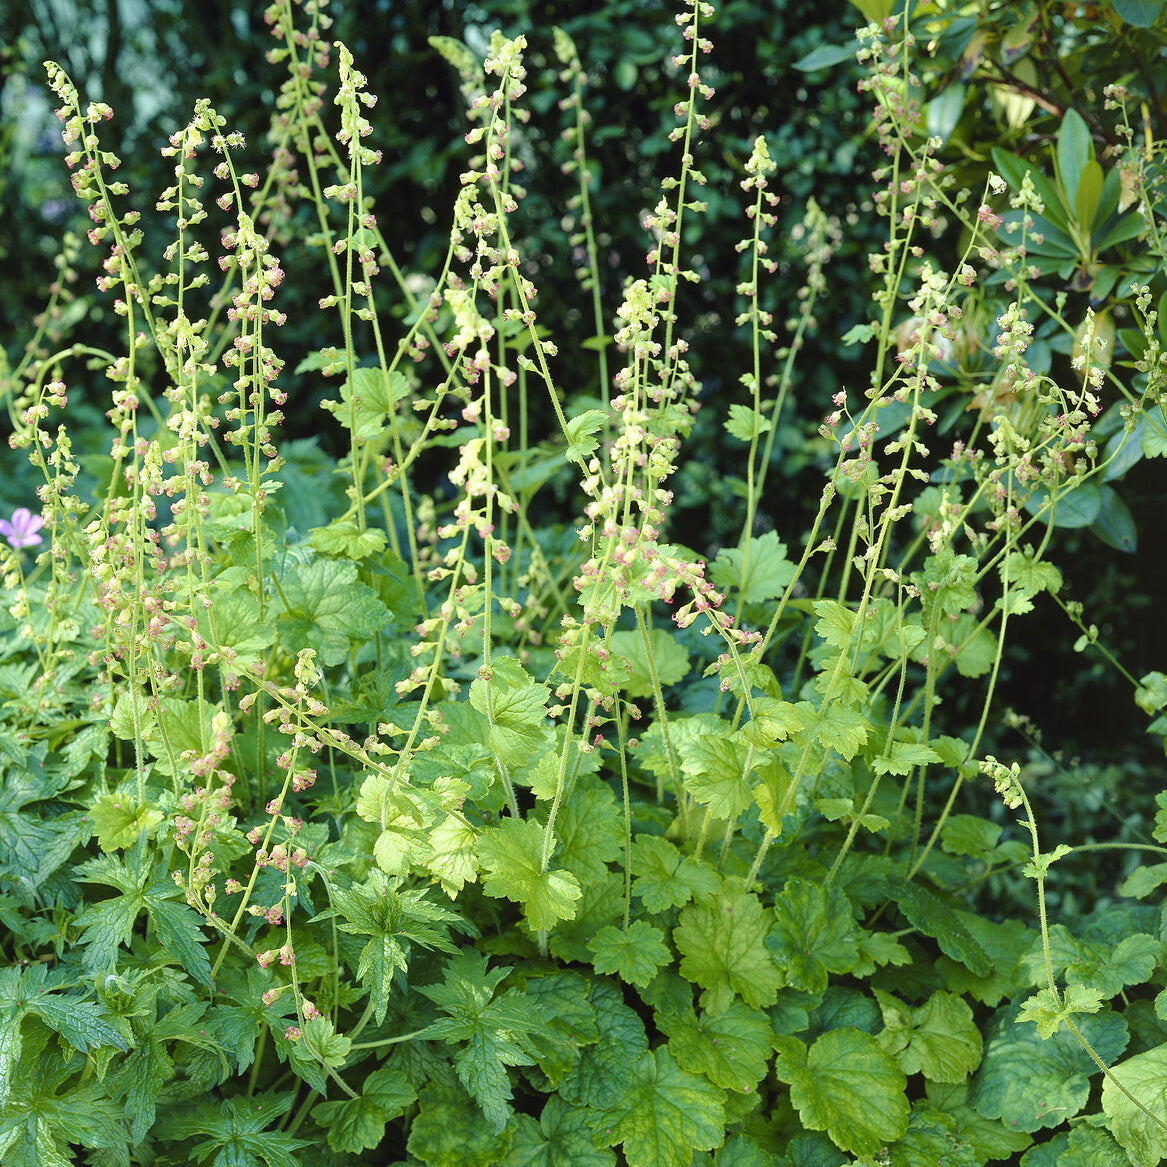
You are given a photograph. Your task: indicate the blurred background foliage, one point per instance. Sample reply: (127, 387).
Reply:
(995, 75)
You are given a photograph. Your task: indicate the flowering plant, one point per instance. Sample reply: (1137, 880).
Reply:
(377, 817)
(22, 529)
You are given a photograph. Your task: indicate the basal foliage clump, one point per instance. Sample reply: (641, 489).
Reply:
(347, 821)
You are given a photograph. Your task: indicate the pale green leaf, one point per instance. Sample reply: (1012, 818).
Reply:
(633, 955)
(511, 858)
(663, 1115)
(723, 949)
(760, 572)
(328, 609)
(667, 879)
(1142, 1135)
(742, 423)
(669, 659)
(716, 772)
(515, 707)
(732, 1049)
(345, 540)
(846, 1085)
(1048, 1013)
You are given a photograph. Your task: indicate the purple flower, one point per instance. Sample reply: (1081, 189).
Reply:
(22, 530)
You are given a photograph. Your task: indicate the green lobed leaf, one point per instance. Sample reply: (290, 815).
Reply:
(740, 423)
(1144, 1076)
(723, 949)
(354, 1125)
(716, 769)
(932, 1137)
(345, 540)
(732, 1049)
(1031, 1083)
(667, 879)
(634, 955)
(1048, 1013)
(760, 572)
(582, 429)
(511, 857)
(846, 1085)
(813, 934)
(938, 1039)
(589, 830)
(449, 1131)
(561, 1138)
(605, 1067)
(515, 707)
(663, 1115)
(670, 660)
(328, 609)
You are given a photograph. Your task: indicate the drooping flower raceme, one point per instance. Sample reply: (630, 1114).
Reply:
(21, 530)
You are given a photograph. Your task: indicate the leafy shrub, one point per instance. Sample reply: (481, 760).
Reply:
(442, 800)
